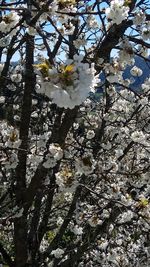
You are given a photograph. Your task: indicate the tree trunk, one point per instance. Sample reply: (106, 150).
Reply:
(20, 225)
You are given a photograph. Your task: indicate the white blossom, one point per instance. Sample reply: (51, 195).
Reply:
(139, 18)
(9, 21)
(55, 154)
(90, 134)
(135, 71)
(72, 86)
(16, 77)
(2, 99)
(77, 230)
(146, 34)
(84, 165)
(117, 11)
(138, 136)
(57, 253)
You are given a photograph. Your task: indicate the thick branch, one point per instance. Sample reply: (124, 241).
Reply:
(63, 227)
(20, 226)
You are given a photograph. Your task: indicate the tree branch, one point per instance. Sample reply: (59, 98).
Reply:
(6, 257)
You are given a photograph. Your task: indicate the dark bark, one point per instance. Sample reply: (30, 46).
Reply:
(59, 133)
(20, 225)
(64, 226)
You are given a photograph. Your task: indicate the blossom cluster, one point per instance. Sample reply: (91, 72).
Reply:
(69, 84)
(117, 12)
(8, 27)
(55, 154)
(9, 140)
(9, 22)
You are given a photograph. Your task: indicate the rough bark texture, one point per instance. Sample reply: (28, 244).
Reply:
(20, 225)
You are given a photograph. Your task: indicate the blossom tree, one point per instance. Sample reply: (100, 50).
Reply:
(74, 134)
